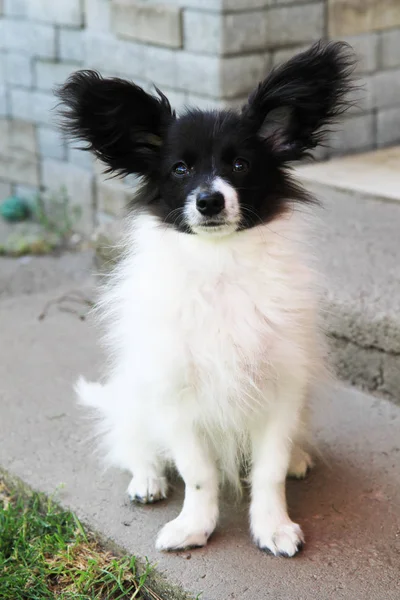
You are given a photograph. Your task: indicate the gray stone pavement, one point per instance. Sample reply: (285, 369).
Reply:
(349, 506)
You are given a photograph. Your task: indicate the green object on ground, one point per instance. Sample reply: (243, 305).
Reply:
(45, 553)
(14, 209)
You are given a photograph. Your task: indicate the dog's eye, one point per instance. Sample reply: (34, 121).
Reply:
(180, 169)
(240, 165)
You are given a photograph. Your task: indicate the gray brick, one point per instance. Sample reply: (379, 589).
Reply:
(78, 157)
(22, 137)
(390, 48)
(27, 192)
(366, 47)
(363, 97)
(5, 190)
(206, 5)
(203, 102)
(240, 74)
(112, 196)
(100, 169)
(386, 88)
(15, 8)
(4, 135)
(236, 103)
(388, 126)
(51, 143)
(245, 4)
(98, 15)
(18, 168)
(295, 24)
(60, 12)
(354, 134)
(178, 100)
(213, 33)
(17, 138)
(33, 38)
(162, 66)
(203, 32)
(157, 24)
(3, 70)
(210, 76)
(195, 73)
(49, 74)
(207, 103)
(32, 106)
(219, 5)
(285, 54)
(19, 69)
(132, 182)
(117, 57)
(4, 110)
(360, 16)
(79, 186)
(71, 45)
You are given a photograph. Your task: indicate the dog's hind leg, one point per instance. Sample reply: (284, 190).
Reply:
(300, 463)
(127, 440)
(148, 483)
(134, 450)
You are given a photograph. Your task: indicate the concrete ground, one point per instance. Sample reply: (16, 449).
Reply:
(360, 255)
(349, 506)
(31, 274)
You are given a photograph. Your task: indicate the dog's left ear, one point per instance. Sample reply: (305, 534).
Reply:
(121, 124)
(294, 105)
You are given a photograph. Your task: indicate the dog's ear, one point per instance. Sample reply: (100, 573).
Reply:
(122, 124)
(294, 106)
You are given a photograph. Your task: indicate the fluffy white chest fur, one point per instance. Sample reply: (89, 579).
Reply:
(213, 346)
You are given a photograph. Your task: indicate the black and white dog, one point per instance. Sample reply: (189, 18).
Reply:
(212, 312)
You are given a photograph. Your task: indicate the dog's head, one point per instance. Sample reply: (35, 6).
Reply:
(219, 171)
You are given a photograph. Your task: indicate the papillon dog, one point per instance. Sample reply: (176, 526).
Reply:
(212, 311)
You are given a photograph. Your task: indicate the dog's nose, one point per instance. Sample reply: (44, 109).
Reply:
(210, 204)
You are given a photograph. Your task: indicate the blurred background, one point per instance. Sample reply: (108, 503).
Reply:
(207, 53)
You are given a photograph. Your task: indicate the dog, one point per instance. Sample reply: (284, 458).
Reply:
(212, 312)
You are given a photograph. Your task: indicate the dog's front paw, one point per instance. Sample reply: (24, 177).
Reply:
(147, 489)
(184, 532)
(284, 540)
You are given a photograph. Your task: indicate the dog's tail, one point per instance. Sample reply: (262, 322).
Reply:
(91, 394)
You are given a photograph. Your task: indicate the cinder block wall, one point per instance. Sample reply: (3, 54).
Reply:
(207, 53)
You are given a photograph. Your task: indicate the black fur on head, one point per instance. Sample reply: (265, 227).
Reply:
(184, 160)
(122, 124)
(312, 88)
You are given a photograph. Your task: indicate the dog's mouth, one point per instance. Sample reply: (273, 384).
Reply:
(214, 227)
(214, 223)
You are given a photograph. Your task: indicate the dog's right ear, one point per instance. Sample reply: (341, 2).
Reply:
(122, 124)
(295, 105)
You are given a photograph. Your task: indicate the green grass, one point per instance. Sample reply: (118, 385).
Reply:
(46, 553)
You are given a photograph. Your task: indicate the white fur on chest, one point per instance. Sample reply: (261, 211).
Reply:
(209, 323)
